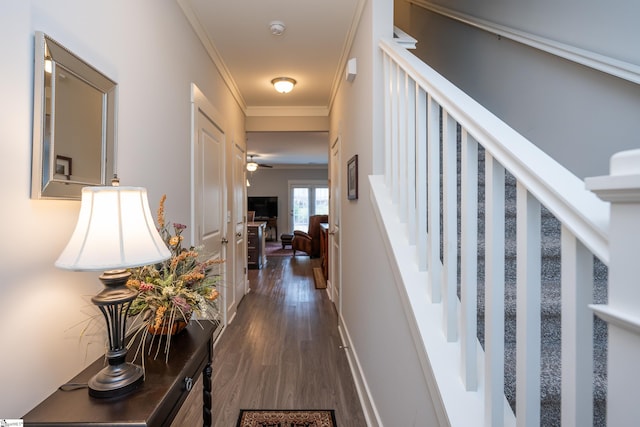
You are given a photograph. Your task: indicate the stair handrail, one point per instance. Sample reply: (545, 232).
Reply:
(563, 193)
(421, 109)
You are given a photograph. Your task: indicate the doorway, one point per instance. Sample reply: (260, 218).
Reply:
(307, 198)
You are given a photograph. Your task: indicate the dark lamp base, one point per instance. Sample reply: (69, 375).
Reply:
(119, 377)
(116, 380)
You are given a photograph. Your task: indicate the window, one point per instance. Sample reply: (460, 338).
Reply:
(307, 199)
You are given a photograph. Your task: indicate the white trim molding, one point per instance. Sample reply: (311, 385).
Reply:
(298, 111)
(211, 49)
(606, 64)
(404, 39)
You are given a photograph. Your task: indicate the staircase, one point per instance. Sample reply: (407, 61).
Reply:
(550, 309)
(502, 256)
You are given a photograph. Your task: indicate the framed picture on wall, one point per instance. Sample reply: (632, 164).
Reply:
(63, 166)
(352, 178)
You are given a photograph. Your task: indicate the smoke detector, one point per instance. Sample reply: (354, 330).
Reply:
(277, 28)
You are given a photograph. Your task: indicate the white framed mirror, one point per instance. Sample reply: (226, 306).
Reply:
(74, 123)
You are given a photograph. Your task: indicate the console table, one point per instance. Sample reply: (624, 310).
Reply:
(177, 393)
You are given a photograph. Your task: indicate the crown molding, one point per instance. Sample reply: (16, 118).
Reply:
(211, 49)
(344, 57)
(606, 64)
(300, 111)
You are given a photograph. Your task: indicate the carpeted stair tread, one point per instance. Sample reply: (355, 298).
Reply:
(550, 309)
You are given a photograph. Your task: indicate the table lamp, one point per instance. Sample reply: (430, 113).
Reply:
(115, 231)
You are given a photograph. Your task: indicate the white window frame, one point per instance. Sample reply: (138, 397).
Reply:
(312, 184)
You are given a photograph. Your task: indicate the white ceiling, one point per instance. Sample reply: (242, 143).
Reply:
(312, 50)
(289, 148)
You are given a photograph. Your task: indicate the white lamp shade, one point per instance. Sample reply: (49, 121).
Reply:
(115, 230)
(252, 166)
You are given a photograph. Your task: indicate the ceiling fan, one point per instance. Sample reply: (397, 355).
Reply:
(253, 166)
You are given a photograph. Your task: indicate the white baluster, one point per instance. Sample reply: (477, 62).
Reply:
(450, 228)
(393, 149)
(411, 160)
(528, 309)
(388, 122)
(494, 293)
(577, 332)
(421, 178)
(433, 199)
(469, 260)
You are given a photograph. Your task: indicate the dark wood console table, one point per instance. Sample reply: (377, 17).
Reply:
(167, 396)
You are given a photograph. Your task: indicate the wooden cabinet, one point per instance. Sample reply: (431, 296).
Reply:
(256, 244)
(172, 394)
(270, 228)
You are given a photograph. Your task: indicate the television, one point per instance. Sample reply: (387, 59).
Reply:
(264, 207)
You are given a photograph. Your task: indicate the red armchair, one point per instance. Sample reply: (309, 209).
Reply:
(309, 242)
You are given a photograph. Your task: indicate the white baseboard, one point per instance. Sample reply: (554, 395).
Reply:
(364, 394)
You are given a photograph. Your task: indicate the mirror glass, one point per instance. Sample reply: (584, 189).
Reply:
(73, 123)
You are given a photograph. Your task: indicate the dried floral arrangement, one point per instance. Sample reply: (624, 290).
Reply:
(171, 292)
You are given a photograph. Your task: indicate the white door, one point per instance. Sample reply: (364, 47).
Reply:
(239, 224)
(335, 256)
(209, 189)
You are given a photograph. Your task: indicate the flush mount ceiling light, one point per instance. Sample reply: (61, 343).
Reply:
(277, 28)
(283, 84)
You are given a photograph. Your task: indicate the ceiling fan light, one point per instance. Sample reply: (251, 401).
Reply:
(283, 84)
(252, 166)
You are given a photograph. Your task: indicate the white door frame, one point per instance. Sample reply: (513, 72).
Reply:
(334, 285)
(239, 223)
(200, 103)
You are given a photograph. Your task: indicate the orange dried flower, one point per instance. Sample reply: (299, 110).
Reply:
(133, 283)
(214, 294)
(192, 277)
(181, 257)
(161, 211)
(159, 314)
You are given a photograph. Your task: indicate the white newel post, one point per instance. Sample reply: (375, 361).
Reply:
(622, 313)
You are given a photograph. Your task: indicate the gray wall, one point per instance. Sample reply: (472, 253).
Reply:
(577, 115)
(377, 331)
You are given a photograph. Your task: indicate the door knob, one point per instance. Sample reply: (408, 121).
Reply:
(238, 234)
(224, 241)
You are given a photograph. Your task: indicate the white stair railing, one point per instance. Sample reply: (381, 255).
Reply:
(622, 313)
(425, 118)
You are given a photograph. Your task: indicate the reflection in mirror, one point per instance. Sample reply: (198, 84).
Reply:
(73, 123)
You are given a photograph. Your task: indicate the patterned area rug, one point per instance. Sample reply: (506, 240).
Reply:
(275, 249)
(286, 418)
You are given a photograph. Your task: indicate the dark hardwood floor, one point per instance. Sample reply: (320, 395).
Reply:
(282, 349)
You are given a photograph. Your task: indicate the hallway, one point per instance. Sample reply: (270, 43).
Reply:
(282, 349)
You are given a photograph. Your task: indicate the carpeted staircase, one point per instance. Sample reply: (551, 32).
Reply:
(550, 309)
